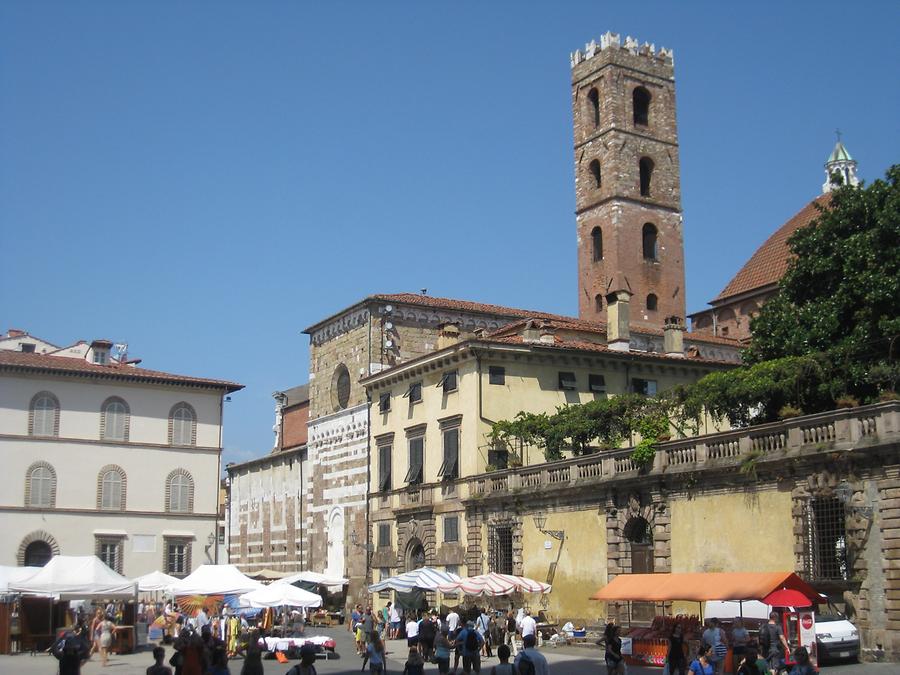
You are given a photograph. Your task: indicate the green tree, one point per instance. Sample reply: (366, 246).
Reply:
(839, 298)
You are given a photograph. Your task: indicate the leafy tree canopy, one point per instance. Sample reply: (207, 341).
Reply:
(841, 295)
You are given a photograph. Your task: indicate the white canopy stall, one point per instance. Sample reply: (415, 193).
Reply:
(155, 581)
(73, 577)
(214, 580)
(281, 595)
(13, 575)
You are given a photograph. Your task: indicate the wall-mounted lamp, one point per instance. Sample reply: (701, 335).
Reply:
(354, 539)
(540, 519)
(844, 494)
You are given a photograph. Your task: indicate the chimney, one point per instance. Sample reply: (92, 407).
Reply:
(448, 335)
(15, 332)
(531, 332)
(673, 337)
(618, 313)
(548, 334)
(100, 351)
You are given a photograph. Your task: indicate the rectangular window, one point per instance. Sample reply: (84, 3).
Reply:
(384, 467)
(448, 382)
(645, 387)
(496, 375)
(498, 457)
(178, 557)
(451, 529)
(414, 393)
(384, 535)
(450, 465)
(384, 573)
(384, 403)
(27, 348)
(825, 545)
(416, 472)
(596, 384)
(567, 381)
(500, 551)
(109, 550)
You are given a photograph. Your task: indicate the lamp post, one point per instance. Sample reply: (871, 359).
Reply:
(540, 520)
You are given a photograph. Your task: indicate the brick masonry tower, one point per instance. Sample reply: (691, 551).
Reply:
(627, 180)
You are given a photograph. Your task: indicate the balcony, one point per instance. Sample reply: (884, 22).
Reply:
(836, 430)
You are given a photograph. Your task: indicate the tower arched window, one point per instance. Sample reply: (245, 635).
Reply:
(593, 98)
(596, 174)
(179, 492)
(640, 99)
(40, 486)
(43, 415)
(111, 488)
(114, 420)
(597, 244)
(650, 241)
(646, 169)
(652, 302)
(182, 425)
(598, 302)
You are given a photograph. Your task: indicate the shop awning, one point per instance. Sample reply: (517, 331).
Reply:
(702, 586)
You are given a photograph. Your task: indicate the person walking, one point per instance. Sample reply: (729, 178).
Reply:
(107, 631)
(615, 662)
(453, 621)
(71, 650)
(714, 637)
(528, 626)
(483, 626)
(395, 622)
(253, 656)
(509, 636)
(530, 661)
(470, 640)
(740, 638)
(442, 650)
(676, 657)
(772, 643)
(376, 657)
(414, 664)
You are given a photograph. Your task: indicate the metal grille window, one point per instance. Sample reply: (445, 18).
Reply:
(500, 553)
(384, 535)
(497, 375)
(825, 549)
(451, 529)
(384, 467)
(498, 457)
(450, 466)
(416, 460)
(384, 403)
(597, 384)
(448, 382)
(567, 381)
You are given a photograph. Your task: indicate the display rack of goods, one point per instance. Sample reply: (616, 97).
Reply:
(650, 645)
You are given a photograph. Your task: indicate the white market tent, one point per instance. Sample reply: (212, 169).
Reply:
(425, 578)
(314, 578)
(155, 581)
(281, 595)
(214, 580)
(72, 577)
(13, 575)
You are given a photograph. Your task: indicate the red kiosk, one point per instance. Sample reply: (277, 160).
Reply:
(785, 590)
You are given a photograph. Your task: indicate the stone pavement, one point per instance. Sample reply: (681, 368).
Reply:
(563, 661)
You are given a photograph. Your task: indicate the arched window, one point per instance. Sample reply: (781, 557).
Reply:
(593, 98)
(649, 239)
(640, 99)
(40, 486)
(597, 244)
(111, 488)
(652, 302)
(43, 415)
(180, 492)
(182, 425)
(114, 420)
(38, 554)
(598, 302)
(594, 166)
(646, 168)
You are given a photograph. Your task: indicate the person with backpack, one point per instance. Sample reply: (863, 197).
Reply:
(470, 641)
(71, 650)
(530, 661)
(427, 633)
(714, 638)
(442, 649)
(483, 625)
(772, 643)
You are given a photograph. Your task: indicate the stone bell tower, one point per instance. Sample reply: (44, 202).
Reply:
(627, 180)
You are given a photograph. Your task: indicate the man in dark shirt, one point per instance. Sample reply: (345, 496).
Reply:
(772, 635)
(368, 625)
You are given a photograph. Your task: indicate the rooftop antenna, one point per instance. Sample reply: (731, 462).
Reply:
(121, 351)
(837, 132)
(423, 291)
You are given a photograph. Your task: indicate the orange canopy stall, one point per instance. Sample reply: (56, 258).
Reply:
(702, 586)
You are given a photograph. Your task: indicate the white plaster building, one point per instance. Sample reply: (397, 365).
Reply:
(103, 457)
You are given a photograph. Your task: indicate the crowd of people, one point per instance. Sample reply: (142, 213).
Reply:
(438, 638)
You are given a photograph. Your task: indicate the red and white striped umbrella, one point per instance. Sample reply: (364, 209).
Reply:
(495, 584)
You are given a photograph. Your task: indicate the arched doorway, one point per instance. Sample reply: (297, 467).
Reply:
(639, 534)
(336, 542)
(415, 555)
(38, 554)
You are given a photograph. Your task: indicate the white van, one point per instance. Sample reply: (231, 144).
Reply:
(836, 637)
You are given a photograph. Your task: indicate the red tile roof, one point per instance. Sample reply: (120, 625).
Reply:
(463, 305)
(64, 365)
(771, 260)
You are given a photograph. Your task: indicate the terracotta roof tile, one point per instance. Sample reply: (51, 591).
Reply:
(771, 260)
(11, 360)
(463, 305)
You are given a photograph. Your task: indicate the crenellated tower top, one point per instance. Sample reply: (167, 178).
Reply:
(611, 40)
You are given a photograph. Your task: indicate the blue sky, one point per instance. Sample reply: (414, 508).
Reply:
(203, 180)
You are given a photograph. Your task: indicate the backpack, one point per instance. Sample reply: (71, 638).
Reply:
(471, 640)
(526, 665)
(765, 639)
